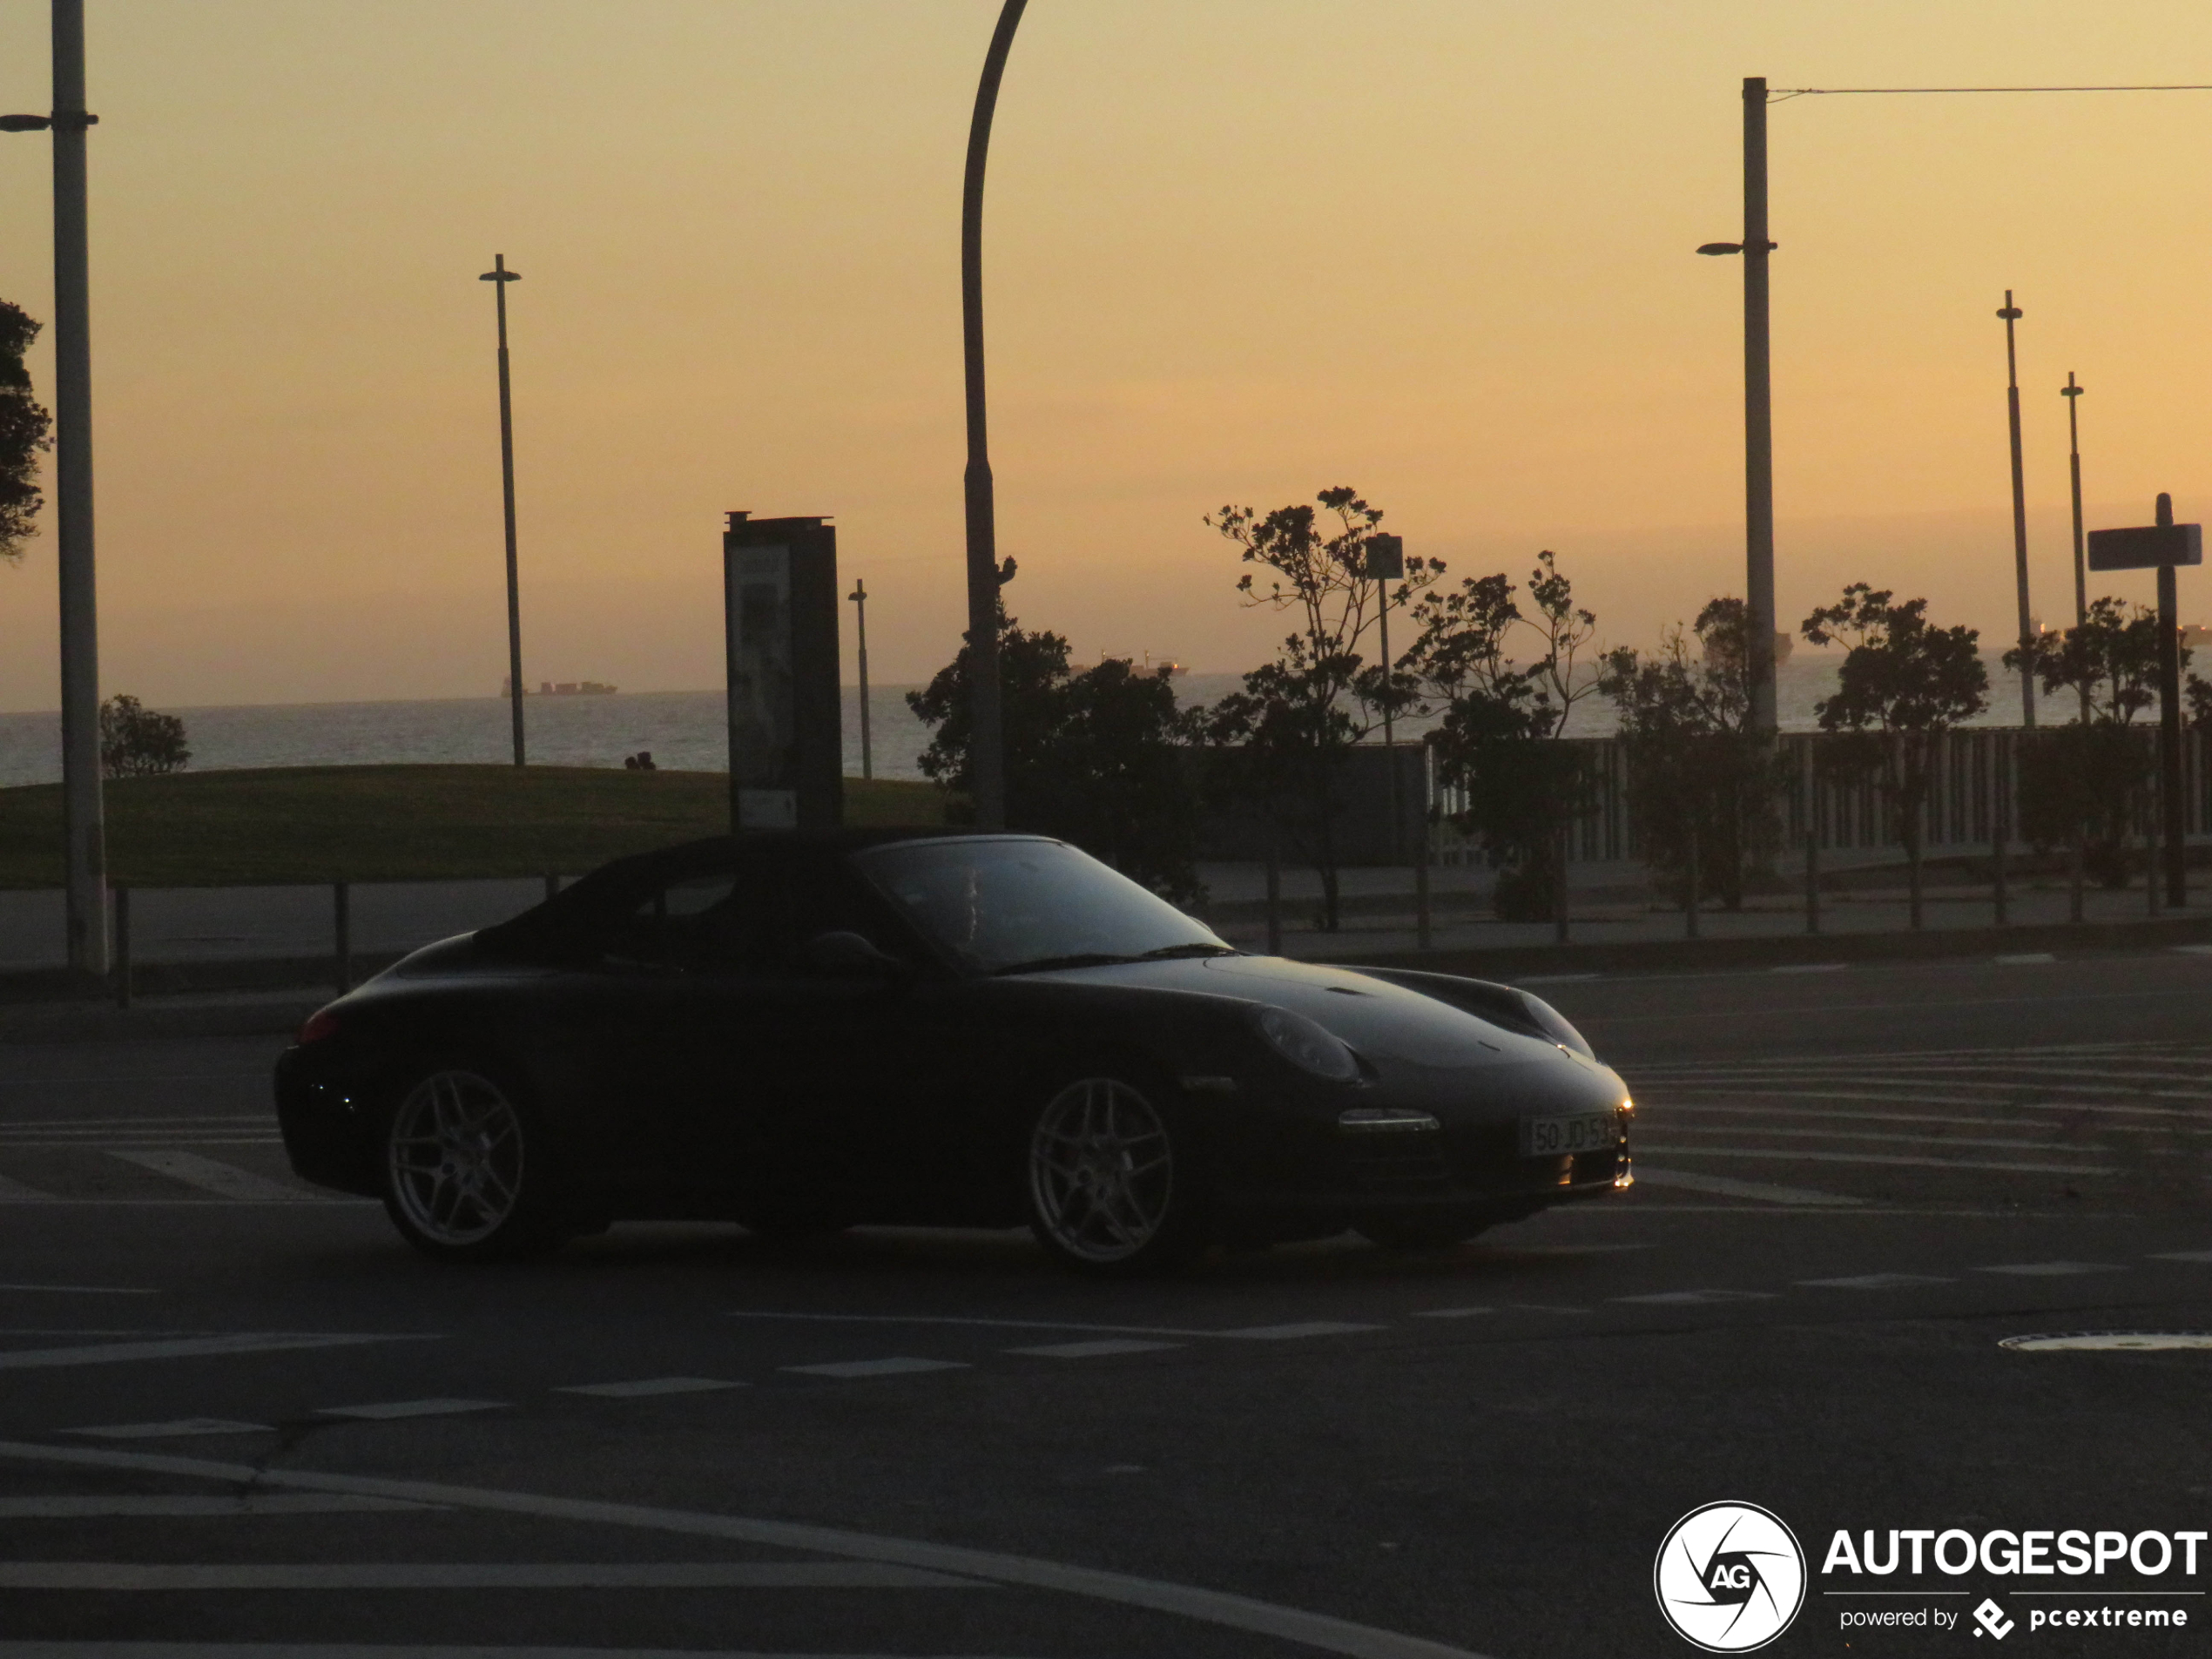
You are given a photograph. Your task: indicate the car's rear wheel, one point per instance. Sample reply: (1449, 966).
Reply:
(464, 1175)
(1113, 1188)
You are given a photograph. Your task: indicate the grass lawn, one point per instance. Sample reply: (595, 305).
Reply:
(307, 824)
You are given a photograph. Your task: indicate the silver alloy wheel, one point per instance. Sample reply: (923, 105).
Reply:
(1101, 1170)
(455, 1158)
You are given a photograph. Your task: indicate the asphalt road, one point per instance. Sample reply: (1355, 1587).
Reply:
(233, 1412)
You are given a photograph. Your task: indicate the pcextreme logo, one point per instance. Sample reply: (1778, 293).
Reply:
(1730, 1577)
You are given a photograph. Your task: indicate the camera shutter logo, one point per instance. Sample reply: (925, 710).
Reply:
(1730, 1577)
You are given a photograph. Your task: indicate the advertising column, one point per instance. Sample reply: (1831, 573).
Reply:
(779, 596)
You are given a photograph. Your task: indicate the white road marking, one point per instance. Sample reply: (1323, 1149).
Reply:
(2027, 959)
(1544, 1307)
(2192, 950)
(78, 1289)
(1317, 1631)
(1696, 1298)
(895, 1366)
(182, 1348)
(16, 1192)
(1778, 1132)
(1794, 1154)
(112, 1507)
(224, 1180)
(390, 1410)
(1450, 1313)
(1768, 1113)
(1554, 979)
(1876, 1282)
(473, 1575)
(649, 1386)
(1810, 967)
(1001, 1324)
(364, 1651)
(1299, 1331)
(1097, 1350)
(2052, 1270)
(2183, 1255)
(164, 1431)
(1727, 1187)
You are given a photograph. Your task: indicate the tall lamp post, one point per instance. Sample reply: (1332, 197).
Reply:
(499, 276)
(859, 598)
(986, 756)
(2012, 313)
(83, 817)
(1758, 408)
(2072, 393)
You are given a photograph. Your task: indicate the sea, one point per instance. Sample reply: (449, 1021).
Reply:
(683, 730)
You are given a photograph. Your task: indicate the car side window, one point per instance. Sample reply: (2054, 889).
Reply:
(677, 924)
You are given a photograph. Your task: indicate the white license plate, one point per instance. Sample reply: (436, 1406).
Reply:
(1551, 1137)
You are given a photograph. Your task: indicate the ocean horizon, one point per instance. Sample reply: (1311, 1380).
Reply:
(683, 731)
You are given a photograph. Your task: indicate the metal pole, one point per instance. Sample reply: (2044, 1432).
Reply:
(122, 946)
(2169, 724)
(1690, 903)
(1424, 921)
(2072, 393)
(341, 918)
(2011, 313)
(1390, 737)
(987, 754)
(1758, 414)
(499, 276)
(1274, 898)
(859, 598)
(83, 815)
(1812, 881)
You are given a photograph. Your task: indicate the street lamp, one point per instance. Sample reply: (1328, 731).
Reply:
(1758, 409)
(987, 740)
(83, 817)
(499, 276)
(859, 598)
(2012, 314)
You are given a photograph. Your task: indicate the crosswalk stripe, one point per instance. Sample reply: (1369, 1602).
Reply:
(224, 1180)
(472, 1575)
(1721, 1186)
(107, 1353)
(1777, 1132)
(1779, 1154)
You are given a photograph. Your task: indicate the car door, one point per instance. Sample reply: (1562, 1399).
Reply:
(812, 1078)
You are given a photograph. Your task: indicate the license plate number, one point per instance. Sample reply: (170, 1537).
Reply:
(1548, 1137)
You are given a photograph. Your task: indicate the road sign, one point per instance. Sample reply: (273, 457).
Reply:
(2145, 547)
(1386, 559)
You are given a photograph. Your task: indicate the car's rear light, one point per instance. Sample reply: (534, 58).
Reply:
(320, 1024)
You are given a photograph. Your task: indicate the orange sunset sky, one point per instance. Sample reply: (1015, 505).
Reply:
(1236, 250)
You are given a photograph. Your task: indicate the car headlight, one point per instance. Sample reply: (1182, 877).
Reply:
(1308, 1045)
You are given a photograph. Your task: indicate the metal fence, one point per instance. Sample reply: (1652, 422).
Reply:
(1972, 774)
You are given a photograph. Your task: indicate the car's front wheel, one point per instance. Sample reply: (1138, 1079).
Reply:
(464, 1176)
(1113, 1187)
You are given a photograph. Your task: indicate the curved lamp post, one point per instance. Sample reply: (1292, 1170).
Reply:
(986, 756)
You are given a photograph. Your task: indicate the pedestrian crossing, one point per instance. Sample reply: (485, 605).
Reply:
(2124, 1115)
(150, 1160)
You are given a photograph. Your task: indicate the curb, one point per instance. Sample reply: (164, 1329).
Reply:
(96, 1021)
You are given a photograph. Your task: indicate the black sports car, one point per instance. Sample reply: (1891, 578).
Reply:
(971, 1030)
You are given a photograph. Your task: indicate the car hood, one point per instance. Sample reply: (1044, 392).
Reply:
(1381, 1021)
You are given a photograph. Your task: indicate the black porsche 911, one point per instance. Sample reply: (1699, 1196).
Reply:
(964, 1029)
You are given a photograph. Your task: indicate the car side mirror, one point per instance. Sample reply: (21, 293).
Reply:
(850, 955)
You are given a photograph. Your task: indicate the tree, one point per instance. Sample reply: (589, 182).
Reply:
(23, 428)
(1096, 757)
(1497, 740)
(135, 741)
(1696, 767)
(1284, 737)
(1903, 685)
(2088, 781)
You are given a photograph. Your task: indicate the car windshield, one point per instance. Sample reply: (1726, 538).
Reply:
(1011, 905)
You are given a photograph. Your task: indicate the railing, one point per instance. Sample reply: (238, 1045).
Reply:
(1972, 773)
